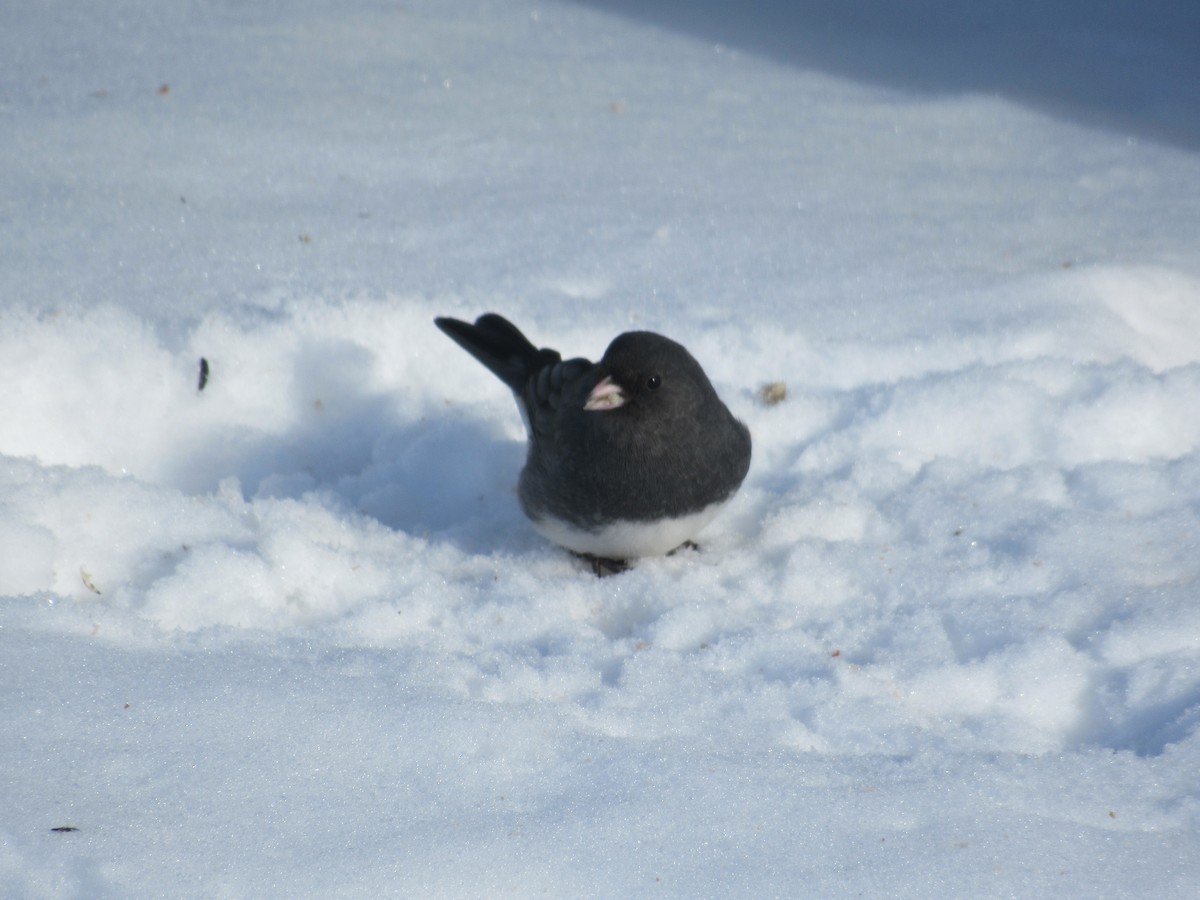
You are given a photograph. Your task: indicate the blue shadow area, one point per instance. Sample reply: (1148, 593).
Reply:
(1129, 67)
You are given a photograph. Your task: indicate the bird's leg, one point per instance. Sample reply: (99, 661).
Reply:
(602, 566)
(686, 545)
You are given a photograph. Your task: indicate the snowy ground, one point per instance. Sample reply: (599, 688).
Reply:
(290, 635)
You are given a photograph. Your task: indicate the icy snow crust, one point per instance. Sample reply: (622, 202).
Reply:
(290, 635)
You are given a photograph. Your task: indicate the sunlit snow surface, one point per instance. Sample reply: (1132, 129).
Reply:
(290, 635)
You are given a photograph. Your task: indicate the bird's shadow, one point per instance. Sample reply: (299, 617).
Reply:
(434, 471)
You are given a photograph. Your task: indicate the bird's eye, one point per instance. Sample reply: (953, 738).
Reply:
(653, 382)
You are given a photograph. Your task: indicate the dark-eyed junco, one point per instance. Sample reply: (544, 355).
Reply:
(628, 457)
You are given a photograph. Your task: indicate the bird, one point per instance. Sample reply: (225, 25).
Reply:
(628, 457)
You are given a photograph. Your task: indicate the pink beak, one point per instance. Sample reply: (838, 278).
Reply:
(605, 395)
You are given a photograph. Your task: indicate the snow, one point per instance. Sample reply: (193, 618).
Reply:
(290, 634)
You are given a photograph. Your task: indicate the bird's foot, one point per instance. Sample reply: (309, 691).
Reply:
(602, 566)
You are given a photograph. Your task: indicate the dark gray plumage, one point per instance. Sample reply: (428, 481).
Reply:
(627, 457)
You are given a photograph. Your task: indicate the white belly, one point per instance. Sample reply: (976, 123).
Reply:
(627, 540)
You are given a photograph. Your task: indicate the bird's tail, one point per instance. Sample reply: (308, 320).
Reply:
(499, 345)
